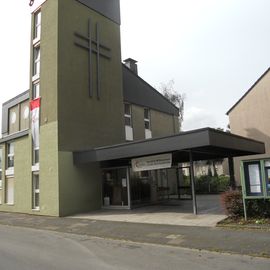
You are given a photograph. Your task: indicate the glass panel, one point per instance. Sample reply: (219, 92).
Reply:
(253, 179)
(36, 201)
(146, 114)
(10, 191)
(36, 70)
(127, 109)
(37, 24)
(35, 191)
(146, 125)
(115, 187)
(140, 187)
(127, 121)
(10, 157)
(1, 156)
(36, 90)
(36, 156)
(267, 179)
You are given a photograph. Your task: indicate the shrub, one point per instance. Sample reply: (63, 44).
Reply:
(258, 208)
(212, 184)
(232, 203)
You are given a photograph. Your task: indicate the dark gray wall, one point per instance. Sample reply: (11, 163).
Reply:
(108, 8)
(9, 104)
(139, 92)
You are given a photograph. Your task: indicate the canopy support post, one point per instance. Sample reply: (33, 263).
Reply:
(194, 201)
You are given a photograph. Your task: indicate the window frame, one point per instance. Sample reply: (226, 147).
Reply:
(36, 61)
(10, 155)
(129, 115)
(147, 120)
(35, 191)
(37, 26)
(34, 89)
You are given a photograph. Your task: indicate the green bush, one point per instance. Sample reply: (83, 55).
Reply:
(212, 184)
(258, 208)
(232, 202)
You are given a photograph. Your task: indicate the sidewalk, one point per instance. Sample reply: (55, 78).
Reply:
(249, 242)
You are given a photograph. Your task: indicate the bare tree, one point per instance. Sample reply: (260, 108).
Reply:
(167, 89)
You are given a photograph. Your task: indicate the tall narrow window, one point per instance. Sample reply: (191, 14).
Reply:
(147, 124)
(10, 155)
(9, 187)
(128, 123)
(1, 175)
(36, 63)
(37, 25)
(36, 156)
(35, 191)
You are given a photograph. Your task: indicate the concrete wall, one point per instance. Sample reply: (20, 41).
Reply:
(86, 122)
(251, 118)
(95, 122)
(80, 187)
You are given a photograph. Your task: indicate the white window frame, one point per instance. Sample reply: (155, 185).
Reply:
(36, 62)
(129, 116)
(37, 26)
(7, 188)
(35, 191)
(35, 92)
(148, 132)
(128, 128)
(10, 155)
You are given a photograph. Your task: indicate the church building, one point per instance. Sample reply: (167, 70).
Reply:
(91, 133)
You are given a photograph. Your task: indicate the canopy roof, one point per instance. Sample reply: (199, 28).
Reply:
(205, 144)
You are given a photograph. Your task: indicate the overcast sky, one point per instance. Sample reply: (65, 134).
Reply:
(214, 50)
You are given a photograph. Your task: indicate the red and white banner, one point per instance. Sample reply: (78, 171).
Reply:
(35, 107)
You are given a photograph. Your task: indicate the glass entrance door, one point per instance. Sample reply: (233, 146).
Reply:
(115, 188)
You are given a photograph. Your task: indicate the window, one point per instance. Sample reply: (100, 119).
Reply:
(128, 123)
(36, 63)
(146, 119)
(36, 90)
(128, 115)
(35, 156)
(13, 121)
(37, 25)
(10, 155)
(1, 175)
(24, 115)
(267, 176)
(10, 190)
(147, 124)
(35, 198)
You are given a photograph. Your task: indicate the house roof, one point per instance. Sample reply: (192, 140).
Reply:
(139, 92)
(205, 144)
(250, 89)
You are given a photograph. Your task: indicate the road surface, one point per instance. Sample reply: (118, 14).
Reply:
(29, 249)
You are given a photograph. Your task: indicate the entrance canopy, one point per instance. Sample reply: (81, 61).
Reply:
(205, 144)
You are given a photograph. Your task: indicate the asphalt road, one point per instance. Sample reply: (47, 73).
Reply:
(29, 249)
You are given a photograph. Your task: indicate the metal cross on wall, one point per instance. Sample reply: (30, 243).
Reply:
(93, 46)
